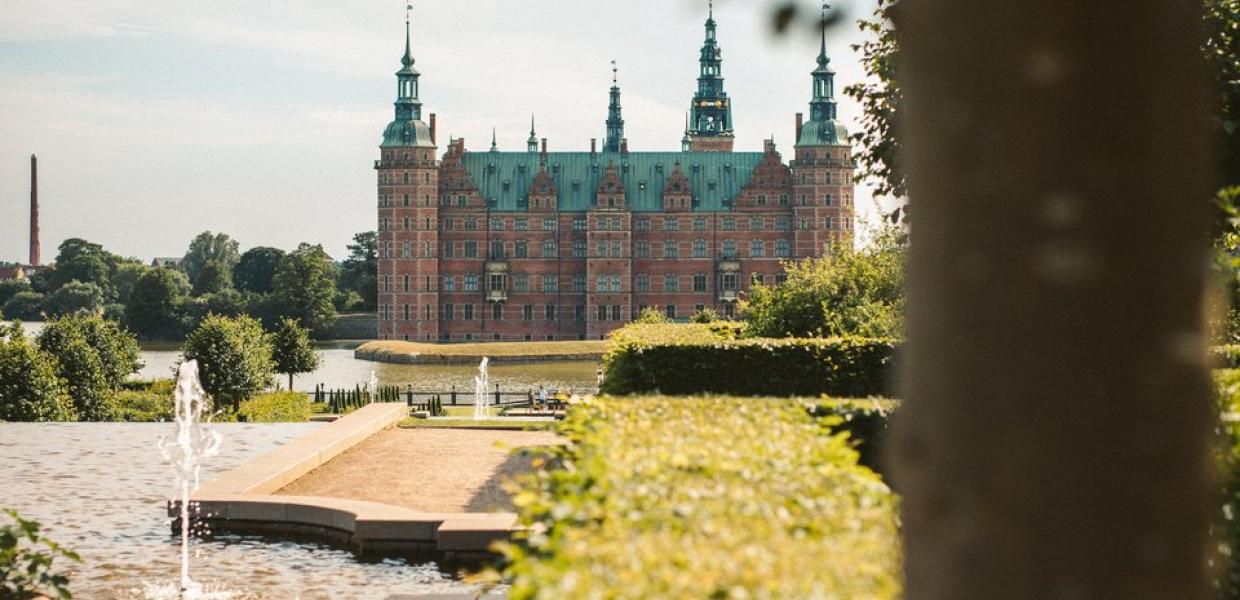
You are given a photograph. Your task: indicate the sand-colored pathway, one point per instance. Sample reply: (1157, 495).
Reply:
(430, 470)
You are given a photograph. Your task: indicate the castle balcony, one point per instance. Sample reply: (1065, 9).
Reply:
(729, 270)
(407, 164)
(823, 162)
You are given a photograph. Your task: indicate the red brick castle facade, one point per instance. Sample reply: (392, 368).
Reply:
(537, 245)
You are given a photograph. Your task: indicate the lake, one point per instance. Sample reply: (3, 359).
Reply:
(338, 369)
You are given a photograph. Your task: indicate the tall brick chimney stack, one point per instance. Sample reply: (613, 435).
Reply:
(34, 211)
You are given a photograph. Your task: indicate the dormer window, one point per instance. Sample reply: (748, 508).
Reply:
(506, 185)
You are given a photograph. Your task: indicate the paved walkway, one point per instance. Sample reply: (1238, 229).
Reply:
(430, 470)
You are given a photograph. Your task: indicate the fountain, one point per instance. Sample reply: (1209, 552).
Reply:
(194, 442)
(480, 392)
(374, 386)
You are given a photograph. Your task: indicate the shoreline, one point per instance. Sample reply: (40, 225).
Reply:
(418, 353)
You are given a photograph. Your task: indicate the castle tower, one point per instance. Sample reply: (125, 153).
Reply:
(615, 121)
(710, 125)
(822, 173)
(408, 182)
(34, 211)
(531, 145)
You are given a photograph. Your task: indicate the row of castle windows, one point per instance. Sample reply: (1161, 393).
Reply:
(550, 284)
(468, 312)
(603, 249)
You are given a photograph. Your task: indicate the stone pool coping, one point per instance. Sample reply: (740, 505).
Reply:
(243, 501)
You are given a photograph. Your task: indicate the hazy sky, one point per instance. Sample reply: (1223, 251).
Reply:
(154, 121)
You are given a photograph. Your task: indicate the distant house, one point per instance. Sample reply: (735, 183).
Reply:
(168, 262)
(13, 272)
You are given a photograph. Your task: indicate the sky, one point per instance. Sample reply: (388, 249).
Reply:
(154, 121)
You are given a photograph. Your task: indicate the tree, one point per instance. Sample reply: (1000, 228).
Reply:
(1222, 48)
(305, 289)
(25, 306)
(76, 297)
(256, 268)
(880, 97)
(214, 278)
(12, 287)
(29, 387)
(292, 351)
(152, 311)
(234, 358)
(208, 247)
(80, 260)
(849, 292)
(119, 354)
(361, 270)
(79, 366)
(125, 278)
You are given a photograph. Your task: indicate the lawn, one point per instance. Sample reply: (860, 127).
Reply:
(418, 352)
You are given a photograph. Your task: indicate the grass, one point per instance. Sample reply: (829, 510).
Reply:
(496, 351)
(412, 423)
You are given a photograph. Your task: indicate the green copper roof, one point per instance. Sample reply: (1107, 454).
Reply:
(715, 179)
(823, 133)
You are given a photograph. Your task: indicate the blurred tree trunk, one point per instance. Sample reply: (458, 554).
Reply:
(1055, 439)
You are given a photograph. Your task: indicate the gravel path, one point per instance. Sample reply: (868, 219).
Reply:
(431, 470)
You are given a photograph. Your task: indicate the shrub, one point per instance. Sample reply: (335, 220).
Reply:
(706, 315)
(27, 559)
(702, 498)
(24, 306)
(93, 357)
(652, 316)
(1227, 356)
(276, 407)
(692, 359)
(76, 297)
(846, 293)
(132, 406)
(29, 387)
(234, 358)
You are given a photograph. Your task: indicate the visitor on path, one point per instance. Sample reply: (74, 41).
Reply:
(542, 397)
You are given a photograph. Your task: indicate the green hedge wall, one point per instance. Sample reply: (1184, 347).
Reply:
(697, 359)
(702, 497)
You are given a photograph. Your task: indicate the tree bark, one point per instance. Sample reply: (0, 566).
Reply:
(1054, 442)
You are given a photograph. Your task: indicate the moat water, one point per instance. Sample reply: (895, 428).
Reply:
(338, 369)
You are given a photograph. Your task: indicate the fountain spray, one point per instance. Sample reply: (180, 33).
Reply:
(480, 391)
(194, 441)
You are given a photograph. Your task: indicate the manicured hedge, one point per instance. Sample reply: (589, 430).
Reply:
(1227, 529)
(703, 497)
(276, 407)
(696, 359)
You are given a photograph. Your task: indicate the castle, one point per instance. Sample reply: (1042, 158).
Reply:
(537, 245)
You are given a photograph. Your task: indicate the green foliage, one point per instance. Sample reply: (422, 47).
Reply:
(229, 303)
(693, 359)
(1227, 528)
(76, 297)
(848, 292)
(702, 498)
(145, 401)
(652, 316)
(24, 306)
(292, 351)
(704, 316)
(29, 387)
(1222, 49)
(80, 260)
(208, 248)
(256, 269)
(305, 289)
(94, 357)
(361, 270)
(27, 561)
(12, 287)
(276, 407)
(866, 423)
(234, 358)
(125, 278)
(153, 310)
(880, 97)
(213, 278)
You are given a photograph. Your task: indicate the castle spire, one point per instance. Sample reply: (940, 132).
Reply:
(615, 120)
(494, 146)
(532, 143)
(686, 143)
(407, 129)
(823, 127)
(711, 110)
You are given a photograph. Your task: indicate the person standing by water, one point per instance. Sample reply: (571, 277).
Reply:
(542, 397)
